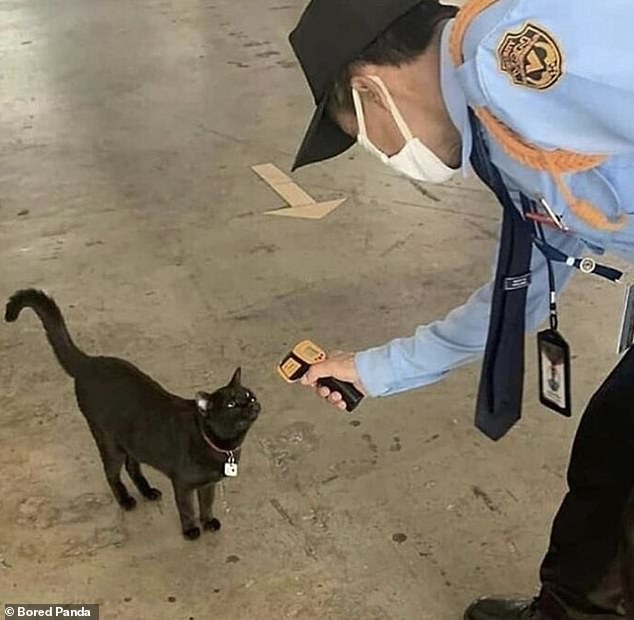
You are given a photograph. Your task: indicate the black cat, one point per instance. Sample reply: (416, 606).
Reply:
(195, 443)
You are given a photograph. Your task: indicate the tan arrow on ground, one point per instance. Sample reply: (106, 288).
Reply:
(301, 204)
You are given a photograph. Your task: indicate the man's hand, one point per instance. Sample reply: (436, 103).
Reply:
(340, 366)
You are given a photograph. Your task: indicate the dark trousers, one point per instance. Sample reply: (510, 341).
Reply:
(582, 566)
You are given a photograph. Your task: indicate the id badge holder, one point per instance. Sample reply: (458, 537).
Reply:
(554, 371)
(553, 352)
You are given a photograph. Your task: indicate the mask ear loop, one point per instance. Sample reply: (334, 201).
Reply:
(358, 108)
(362, 131)
(396, 113)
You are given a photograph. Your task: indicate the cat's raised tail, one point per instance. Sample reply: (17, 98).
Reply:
(67, 353)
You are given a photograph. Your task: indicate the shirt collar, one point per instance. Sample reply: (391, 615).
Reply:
(454, 96)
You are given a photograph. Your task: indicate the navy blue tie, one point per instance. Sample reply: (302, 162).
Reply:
(499, 403)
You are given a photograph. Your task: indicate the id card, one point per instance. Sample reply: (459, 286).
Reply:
(554, 372)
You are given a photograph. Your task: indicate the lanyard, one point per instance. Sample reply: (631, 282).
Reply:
(539, 239)
(553, 254)
(553, 351)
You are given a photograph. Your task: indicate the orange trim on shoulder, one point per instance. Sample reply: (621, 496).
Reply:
(469, 11)
(559, 160)
(556, 162)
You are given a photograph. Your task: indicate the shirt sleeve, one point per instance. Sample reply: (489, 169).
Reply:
(436, 349)
(588, 106)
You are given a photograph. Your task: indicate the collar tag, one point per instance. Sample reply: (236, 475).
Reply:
(231, 467)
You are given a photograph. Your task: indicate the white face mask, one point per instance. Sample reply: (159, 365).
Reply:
(415, 160)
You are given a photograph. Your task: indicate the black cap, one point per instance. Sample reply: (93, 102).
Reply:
(329, 36)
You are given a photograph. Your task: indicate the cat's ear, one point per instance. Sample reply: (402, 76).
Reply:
(237, 377)
(203, 403)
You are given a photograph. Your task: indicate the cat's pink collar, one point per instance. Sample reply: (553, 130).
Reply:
(213, 446)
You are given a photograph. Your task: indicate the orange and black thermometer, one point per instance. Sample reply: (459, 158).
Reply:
(296, 364)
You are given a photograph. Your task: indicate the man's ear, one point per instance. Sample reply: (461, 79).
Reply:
(203, 402)
(237, 377)
(370, 91)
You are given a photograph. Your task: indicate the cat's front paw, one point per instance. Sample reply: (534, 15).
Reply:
(212, 525)
(153, 494)
(128, 503)
(192, 533)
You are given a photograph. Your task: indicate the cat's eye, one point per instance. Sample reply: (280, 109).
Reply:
(231, 404)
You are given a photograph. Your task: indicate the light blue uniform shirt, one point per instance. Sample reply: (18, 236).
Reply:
(590, 110)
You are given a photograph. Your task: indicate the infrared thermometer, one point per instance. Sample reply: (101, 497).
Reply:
(296, 364)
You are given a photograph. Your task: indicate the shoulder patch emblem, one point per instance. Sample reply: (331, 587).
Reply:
(531, 57)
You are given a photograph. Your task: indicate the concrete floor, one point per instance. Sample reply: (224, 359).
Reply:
(128, 130)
